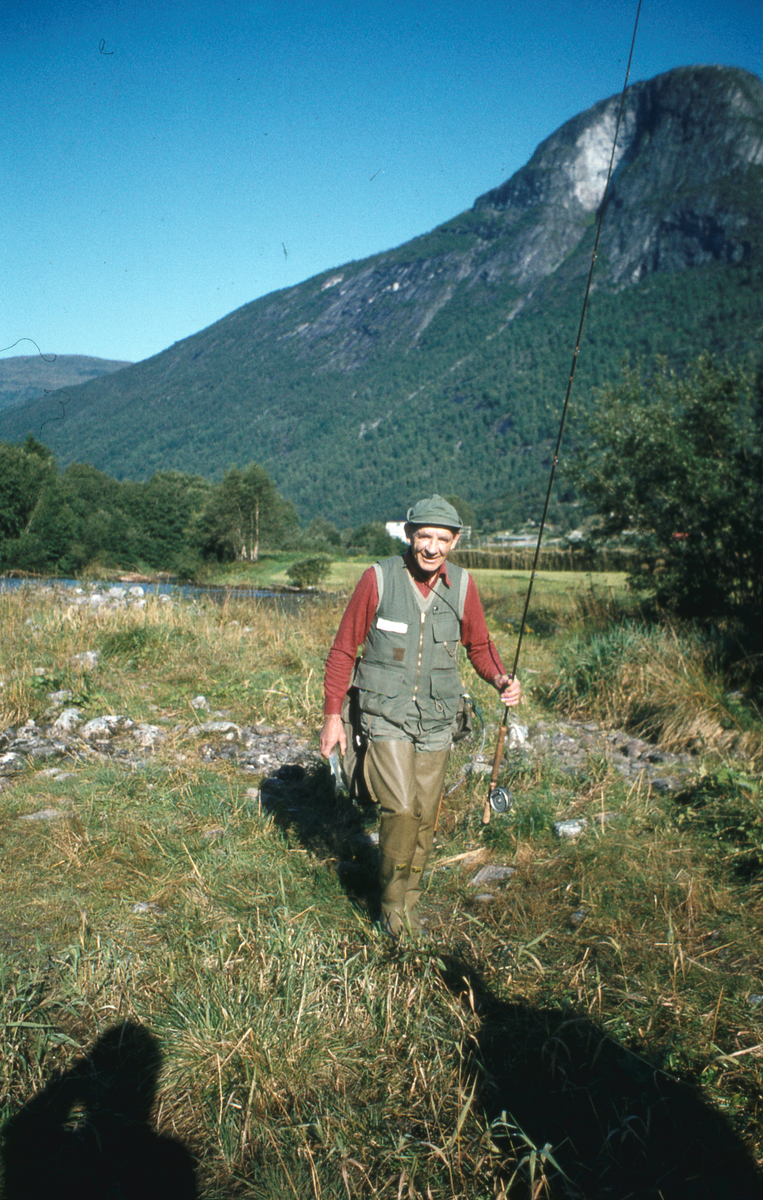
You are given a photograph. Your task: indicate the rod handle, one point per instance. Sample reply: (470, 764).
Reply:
(496, 769)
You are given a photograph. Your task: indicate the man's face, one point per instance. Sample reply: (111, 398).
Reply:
(431, 545)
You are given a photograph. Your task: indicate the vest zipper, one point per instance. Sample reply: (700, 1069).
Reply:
(421, 647)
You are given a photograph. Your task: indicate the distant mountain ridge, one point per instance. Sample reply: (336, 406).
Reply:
(441, 364)
(28, 376)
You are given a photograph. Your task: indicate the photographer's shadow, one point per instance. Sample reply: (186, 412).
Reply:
(88, 1133)
(617, 1125)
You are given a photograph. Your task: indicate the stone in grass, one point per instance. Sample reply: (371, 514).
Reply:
(149, 736)
(88, 659)
(662, 784)
(146, 907)
(570, 829)
(200, 702)
(105, 727)
(56, 774)
(67, 721)
(10, 763)
(228, 729)
(46, 814)
(491, 874)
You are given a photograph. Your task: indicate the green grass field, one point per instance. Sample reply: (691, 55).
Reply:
(593, 1029)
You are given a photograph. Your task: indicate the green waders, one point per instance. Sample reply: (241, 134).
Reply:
(407, 784)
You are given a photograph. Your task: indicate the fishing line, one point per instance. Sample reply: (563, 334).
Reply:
(63, 403)
(555, 460)
(52, 359)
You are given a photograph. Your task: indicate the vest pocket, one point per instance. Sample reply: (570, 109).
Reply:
(379, 688)
(445, 690)
(446, 631)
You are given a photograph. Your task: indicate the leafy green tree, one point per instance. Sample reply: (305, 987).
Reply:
(98, 503)
(25, 472)
(372, 538)
(321, 535)
(464, 510)
(77, 519)
(167, 512)
(245, 511)
(675, 465)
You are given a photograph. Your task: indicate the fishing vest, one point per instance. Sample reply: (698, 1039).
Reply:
(411, 648)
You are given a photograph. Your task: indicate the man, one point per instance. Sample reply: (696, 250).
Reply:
(410, 613)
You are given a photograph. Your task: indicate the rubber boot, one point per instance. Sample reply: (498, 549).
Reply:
(393, 884)
(430, 770)
(390, 775)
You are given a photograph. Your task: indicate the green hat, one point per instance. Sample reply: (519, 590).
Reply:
(434, 511)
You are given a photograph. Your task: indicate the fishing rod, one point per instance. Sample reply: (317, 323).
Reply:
(499, 799)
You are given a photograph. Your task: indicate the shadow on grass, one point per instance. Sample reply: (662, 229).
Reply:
(306, 807)
(616, 1125)
(88, 1133)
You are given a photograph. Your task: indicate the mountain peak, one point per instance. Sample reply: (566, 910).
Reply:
(683, 137)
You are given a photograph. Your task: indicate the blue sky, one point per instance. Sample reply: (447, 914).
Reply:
(170, 160)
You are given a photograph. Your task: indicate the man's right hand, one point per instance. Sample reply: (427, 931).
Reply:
(331, 734)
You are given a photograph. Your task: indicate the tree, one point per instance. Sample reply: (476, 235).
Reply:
(25, 472)
(675, 464)
(374, 540)
(320, 535)
(244, 510)
(166, 511)
(465, 511)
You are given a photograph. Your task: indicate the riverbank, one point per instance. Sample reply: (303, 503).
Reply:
(176, 861)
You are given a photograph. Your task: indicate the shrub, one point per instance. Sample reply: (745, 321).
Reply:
(309, 572)
(676, 465)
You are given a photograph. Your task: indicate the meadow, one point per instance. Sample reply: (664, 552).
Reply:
(590, 1027)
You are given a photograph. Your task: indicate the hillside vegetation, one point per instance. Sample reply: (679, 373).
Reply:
(25, 377)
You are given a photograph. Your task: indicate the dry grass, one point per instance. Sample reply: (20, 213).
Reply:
(665, 684)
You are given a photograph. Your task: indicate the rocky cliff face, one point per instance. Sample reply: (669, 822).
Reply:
(681, 187)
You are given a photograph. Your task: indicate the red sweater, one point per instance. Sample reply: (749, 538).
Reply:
(356, 623)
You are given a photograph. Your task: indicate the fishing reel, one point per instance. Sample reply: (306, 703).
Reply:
(500, 799)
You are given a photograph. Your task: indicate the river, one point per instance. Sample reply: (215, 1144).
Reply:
(110, 589)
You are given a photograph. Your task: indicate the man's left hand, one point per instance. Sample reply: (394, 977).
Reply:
(510, 690)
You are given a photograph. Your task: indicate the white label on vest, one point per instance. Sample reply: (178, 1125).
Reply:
(391, 626)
